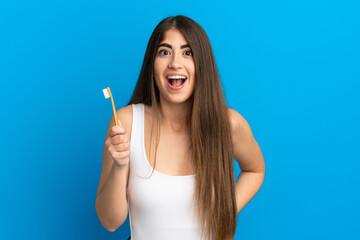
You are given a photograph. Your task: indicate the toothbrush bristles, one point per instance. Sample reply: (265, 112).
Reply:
(106, 93)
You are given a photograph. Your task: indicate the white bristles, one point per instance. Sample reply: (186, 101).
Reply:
(106, 93)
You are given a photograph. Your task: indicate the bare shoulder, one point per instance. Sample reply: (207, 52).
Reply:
(238, 123)
(125, 114)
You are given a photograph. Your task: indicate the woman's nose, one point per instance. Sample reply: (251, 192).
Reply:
(175, 62)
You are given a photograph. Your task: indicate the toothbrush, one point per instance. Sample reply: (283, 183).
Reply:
(107, 94)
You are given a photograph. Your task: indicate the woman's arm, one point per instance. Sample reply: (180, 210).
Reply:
(250, 159)
(111, 201)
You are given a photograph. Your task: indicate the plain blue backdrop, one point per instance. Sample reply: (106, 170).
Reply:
(291, 68)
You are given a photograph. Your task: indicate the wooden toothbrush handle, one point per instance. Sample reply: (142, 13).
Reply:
(113, 107)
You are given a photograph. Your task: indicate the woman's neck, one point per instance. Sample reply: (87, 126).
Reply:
(175, 116)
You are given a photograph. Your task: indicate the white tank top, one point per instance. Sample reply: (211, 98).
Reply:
(161, 206)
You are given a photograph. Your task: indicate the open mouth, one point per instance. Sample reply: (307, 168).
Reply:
(176, 81)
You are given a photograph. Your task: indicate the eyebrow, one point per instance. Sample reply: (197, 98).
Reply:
(169, 46)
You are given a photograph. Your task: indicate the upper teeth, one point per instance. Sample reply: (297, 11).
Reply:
(176, 77)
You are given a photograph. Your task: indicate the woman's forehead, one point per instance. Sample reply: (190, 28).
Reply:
(174, 38)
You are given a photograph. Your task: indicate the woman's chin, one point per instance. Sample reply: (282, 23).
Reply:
(175, 100)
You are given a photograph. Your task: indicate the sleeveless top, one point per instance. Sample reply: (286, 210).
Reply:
(161, 206)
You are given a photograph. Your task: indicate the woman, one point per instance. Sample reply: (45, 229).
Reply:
(170, 164)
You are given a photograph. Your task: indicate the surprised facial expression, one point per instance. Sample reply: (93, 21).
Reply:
(174, 68)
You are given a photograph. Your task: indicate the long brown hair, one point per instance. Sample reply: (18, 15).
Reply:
(211, 143)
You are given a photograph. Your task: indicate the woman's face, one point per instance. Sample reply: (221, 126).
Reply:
(174, 68)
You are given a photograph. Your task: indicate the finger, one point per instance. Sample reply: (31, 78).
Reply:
(108, 141)
(116, 130)
(122, 147)
(120, 155)
(117, 139)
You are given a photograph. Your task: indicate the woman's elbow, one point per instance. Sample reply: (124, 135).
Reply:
(110, 229)
(109, 222)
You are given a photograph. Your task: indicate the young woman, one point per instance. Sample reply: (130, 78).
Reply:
(170, 164)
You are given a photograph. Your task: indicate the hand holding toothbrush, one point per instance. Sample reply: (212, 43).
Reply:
(118, 141)
(118, 145)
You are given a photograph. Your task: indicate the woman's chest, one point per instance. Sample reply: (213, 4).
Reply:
(173, 153)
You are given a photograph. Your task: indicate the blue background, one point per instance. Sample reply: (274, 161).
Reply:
(291, 68)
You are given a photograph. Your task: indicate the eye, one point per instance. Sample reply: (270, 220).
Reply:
(189, 53)
(163, 52)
